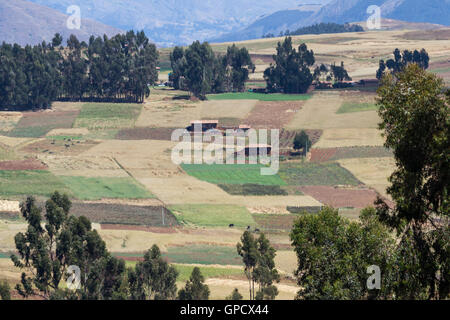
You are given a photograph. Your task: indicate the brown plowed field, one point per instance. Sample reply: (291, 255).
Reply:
(341, 197)
(145, 134)
(28, 164)
(281, 113)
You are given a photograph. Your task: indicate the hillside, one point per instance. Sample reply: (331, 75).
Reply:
(24, 22)
(173, 22)
(342, 11)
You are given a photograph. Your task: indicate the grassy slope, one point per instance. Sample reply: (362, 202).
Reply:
(30, 182)
(213, 215)
(108, 115)
(303, 174)
(98, 188)
(356, 107)
(231, 174)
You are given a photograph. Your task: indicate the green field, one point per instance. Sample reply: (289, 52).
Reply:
(97, 188)
(258, 96)
(312, 174)
(204, 254)
(30, 182)
(231, 174)
(253, 190)
(212, 215)
(347, 107)
(108, 115)
(30, 132)
(185, 271)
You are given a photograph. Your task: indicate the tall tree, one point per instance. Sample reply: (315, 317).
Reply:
(153, 278)
(195, 288)
(415, 121)
(258, 258)
(290, 73)
(302, 141)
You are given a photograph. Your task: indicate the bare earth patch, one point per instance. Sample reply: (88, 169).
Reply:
(343, 137)
(58, 147)
(28, 164)
(273, 114)
(83, 166)
(341, 197)
(8, 120)
(373, 172)
(319, 112)
(9, 206)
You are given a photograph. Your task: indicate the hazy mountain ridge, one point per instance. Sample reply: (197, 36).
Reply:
(24, 22)
(170, 22)
(342, 11)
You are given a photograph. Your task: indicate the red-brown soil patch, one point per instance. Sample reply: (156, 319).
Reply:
(28, 164)
(267, 222)
(272, 114)
(341, 197)
(321, 155)
(138, 228)
(145, 134)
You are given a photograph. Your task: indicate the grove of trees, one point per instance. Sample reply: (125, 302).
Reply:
(199, 70)
(291, 71)
(258, 258)
(117, 69)
(401, 60)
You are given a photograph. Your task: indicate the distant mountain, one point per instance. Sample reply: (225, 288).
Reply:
(24, 22)
(174, 22)
(342, 11)
(275, 23)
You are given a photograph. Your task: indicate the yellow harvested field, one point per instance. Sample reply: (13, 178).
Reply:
(140, 241)
(8, 120)
(373, 172)
(184, 189)
(226, 108)
(286, 261)
(9, 206)
(220, 288)
(334, 138)
(166, 112)
(170, 113)
(83, 166)
(319, 112)
(68, 132)
(14, 142)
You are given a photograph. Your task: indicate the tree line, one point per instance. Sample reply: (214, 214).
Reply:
(56, 240)
(401, 60)
(320, 28)
(199, 70)
(117, 69)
